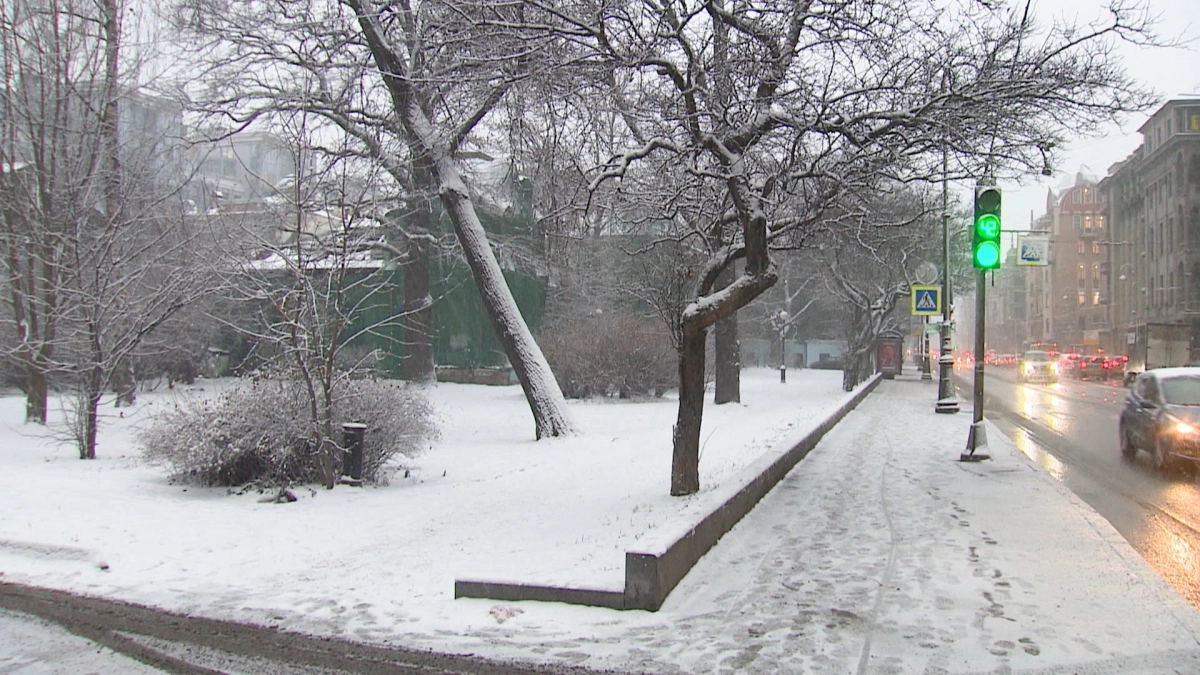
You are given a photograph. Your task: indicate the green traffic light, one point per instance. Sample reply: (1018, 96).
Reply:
(987, 255)
(988, 226)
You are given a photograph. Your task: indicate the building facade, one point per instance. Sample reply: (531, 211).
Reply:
(1152, 198)
(1065, 299)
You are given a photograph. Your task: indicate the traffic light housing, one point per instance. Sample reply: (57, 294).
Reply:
(985, 240)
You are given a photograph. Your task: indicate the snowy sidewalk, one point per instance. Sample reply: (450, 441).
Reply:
(881, 553)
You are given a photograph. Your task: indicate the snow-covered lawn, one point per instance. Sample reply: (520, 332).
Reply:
(486, 502)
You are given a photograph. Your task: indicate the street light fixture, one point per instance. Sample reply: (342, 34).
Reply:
(781, 324)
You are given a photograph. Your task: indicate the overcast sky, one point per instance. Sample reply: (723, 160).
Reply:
(1171, 72)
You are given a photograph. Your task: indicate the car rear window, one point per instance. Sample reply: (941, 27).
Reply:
(1181, 390)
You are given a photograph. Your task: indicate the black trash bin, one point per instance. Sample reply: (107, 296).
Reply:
(353, 434)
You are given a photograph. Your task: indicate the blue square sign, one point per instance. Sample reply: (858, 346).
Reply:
(926, 300)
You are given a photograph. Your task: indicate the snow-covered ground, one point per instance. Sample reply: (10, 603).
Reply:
(486, 502)
(880, 553)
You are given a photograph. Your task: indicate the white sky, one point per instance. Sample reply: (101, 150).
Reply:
(1169, 71)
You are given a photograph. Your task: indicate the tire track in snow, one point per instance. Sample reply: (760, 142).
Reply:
(889, 569)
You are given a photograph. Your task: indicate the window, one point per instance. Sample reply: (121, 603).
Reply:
(1194, 121)
(1095, 297)
(1076, 197)
(1095, 248)
(1082, 278)
(1077, 220)
(1096, 275)
(1088, 197)
(1081, 248)
(1081, 297)
(1099, 222)
(1087, 223)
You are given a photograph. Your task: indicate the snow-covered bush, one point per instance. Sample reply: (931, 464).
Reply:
(261, 431)
(609, 354)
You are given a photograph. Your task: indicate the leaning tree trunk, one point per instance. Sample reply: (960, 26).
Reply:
(533, 372)
(685, 462)
(727, 351)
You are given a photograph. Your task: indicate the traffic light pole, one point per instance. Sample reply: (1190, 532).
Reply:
(977, 437)
(986, 255)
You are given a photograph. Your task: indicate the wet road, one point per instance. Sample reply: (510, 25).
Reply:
(1070, 428)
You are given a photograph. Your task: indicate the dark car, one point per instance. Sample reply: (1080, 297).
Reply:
(1091, 368)
(1037, 366)
(1162, 416)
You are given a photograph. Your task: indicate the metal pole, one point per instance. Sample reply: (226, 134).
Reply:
(947, 402)
(783, 354)
(977, 437)
(925, 351)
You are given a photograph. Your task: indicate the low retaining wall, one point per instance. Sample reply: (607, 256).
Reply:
(650, 577)
(496, 377)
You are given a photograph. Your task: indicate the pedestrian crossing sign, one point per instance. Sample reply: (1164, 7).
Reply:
(926, 300)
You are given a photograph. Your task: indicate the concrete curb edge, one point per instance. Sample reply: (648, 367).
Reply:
(650, 578)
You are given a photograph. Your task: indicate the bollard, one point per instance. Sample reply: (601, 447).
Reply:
(783, 373)
(352, 438)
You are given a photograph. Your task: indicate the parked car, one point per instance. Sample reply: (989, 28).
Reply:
(1037, 366)
(826, 362)
(1162, 417)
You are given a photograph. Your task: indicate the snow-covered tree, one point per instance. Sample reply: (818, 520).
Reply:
(95, 254)
(789, 110)
(307, 262)
(437, 70)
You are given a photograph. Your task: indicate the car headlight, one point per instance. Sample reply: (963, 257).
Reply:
(1028, 368)
(1181, 428)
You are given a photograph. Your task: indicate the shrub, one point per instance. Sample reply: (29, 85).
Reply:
(606, 354)
(261, 432)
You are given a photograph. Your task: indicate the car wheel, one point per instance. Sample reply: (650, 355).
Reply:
(1128, 449)
(1161, 457)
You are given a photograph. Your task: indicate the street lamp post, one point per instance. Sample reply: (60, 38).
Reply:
(781, 322)
(947, 402)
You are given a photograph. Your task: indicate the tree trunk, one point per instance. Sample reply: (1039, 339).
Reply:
(533, 372)
(850, 372)
(36, 393)
(727, 351)
(418, 313)
(90, 412)
(685, 460)
(419, 364)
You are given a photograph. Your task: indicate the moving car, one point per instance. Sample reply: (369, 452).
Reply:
(1162, 417)
(1037, 366)
(1091, 368)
